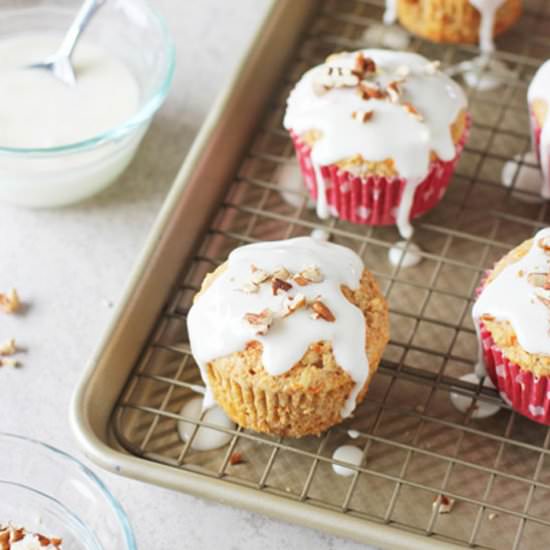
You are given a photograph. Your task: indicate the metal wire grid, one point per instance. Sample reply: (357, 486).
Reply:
(415, 445)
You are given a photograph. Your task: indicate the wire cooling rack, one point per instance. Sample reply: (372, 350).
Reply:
(416, 445)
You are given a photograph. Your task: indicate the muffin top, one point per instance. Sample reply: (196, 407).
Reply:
(380, 105)
(517, 292)
(285, 295)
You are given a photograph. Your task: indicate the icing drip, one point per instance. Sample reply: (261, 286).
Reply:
(540, 89)
(518, 295)
(347, 453)
(391, 132)
(390, 15)
(487, 9)
(217, 326)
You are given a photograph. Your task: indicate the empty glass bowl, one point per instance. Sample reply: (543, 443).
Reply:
(132, 31)
(47, 491)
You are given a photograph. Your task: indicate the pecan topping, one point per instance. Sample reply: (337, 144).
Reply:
(260, 321)
(8, 347)
(258, 275)
(281, 273)
(10, 302)
(8, 362)
(250, 288)
(394, 93)
(411, 109)
(538, 280)
(368, 91)
(278, 285)
(363, 116)
(363, 65)
(301, 280)
(293, 304)
(321, 311)
(544, 243)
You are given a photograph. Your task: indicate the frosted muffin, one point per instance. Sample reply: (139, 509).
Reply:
(459, 21)
(377, 134)
(288, 335)
(538, 98)
(512, 314)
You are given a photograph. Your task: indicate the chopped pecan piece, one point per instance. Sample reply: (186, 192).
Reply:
(10, 302)
(321, 311)
(363, 65)
(259, 276)
(394, 93)
(281, 273)
(278, 285)
(544, 243)
(8, 347)
(293, 304)
(363, 116)
(411, 109)
(368, 91)
(260, 321)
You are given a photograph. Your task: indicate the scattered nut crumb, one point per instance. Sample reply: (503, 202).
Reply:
(236, 458)
(281, 273)
(250, 288)
(411, 109)
(492, 516)
(10, 302)
(8, 362)
(443, 504)
(258, 275)
(8, 347)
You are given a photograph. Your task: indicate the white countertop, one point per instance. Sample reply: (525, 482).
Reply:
(70, 265)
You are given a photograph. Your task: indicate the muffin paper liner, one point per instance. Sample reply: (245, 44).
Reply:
(374, 200)
(525, 392)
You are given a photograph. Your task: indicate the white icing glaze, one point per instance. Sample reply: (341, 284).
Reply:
(540, 89)
(485, 74)
(354, 434)
(216, 322)
(291, 183)
(403, 255)
(205, 439)
(386, 36)
(390, 14)
(521, 175)
(392, 132)
(320, 234)
(482, 409)
(511, 297)
(347, 453)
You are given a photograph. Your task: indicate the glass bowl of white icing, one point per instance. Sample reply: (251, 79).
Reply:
(61, 144)
(49, 492)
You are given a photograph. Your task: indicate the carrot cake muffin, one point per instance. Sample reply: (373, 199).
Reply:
(463, 21)
(377, 134)
(288, 335)
(538, 98)
(512, 315)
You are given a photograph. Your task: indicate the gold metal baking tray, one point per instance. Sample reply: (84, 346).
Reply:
(416, 445)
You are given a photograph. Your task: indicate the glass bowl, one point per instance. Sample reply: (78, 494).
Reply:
(134, 33)
(47, 491)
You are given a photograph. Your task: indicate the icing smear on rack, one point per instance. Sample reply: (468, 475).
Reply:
(539, 89)
(518, 295)
(487, 10)
(407, 128)
(219, 322)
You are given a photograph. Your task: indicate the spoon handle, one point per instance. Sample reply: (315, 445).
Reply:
(78, 26)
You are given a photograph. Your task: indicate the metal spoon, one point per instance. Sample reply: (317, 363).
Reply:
(59, 64)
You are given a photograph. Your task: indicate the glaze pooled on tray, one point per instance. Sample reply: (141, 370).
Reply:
(402, 110)
(285, 295)
(519, 294)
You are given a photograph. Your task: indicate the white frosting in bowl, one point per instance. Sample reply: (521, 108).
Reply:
(518, 295)
(218, 326)
(392, 131)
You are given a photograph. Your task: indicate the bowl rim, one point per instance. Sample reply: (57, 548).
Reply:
(145, 111)
(121, 515)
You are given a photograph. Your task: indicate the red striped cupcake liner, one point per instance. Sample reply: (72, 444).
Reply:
(525, 392)
(374, 200)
